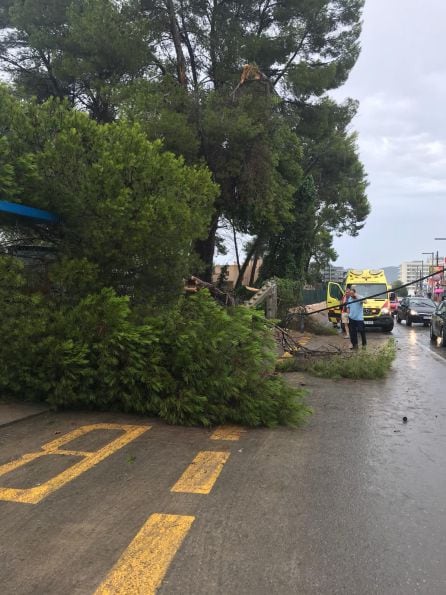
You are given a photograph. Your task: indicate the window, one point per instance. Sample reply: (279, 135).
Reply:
(365, 290)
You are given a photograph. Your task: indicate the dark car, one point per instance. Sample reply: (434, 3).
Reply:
(438, 324)
(415, 309)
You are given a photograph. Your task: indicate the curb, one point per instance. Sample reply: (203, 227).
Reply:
(19, 419)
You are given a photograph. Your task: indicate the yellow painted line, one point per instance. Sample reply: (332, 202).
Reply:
(90, 459)
(81, 431)
(229, 433)
(202, 473)
(143, 565)
(71, 453)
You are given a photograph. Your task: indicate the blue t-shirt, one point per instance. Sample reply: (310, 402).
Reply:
(356, 310)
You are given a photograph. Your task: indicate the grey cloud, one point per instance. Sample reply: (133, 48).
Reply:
(400, 81)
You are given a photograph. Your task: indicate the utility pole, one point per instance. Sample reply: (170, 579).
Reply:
(442, 274)
(430, 269)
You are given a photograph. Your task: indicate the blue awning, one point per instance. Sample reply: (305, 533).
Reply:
(28, 212)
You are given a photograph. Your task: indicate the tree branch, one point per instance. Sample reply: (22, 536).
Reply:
(176, 38)
(291, 60)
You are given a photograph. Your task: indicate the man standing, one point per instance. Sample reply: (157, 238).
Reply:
(356, 319)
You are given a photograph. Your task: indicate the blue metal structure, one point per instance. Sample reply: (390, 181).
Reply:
(30, 213)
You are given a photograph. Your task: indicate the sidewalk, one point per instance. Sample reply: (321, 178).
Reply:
(331, 342)
(11, 412)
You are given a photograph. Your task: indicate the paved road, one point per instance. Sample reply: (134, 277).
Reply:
(354, 503)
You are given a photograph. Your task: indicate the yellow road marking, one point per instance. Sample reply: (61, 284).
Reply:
(142, 567)
(230, 433)
(202, 473)
(90, 459)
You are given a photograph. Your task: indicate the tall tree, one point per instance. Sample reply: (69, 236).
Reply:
(335, 181)
(248, 130)
(297, 51)
(126, 206)
(74, 49)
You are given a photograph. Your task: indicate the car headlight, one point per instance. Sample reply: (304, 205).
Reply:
(413, 312)
(385, 311)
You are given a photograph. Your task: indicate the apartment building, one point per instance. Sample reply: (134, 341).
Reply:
(412, 270)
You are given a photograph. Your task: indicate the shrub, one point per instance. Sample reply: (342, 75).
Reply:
(357, 365)
(24, 328)
(198, 365)
(223, 365)
(102, 359)
(89, 353)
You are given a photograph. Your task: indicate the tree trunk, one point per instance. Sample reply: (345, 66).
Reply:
(237, 255)
(205, 250)
(176, 38)
(252, 278)
(244, 266)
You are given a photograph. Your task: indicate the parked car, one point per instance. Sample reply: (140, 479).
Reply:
(415, 309)
(438, 324)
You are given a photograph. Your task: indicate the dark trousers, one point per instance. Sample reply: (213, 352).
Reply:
(355, 327)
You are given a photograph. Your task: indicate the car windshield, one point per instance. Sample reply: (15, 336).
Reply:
(423, 302)
(367, 289)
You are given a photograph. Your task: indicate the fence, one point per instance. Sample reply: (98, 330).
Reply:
(315, 295)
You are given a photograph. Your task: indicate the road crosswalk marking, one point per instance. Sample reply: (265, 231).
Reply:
(202, 473)
(89, 460)
(143, 565)
(229, 433)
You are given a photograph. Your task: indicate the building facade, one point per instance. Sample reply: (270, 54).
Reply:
(412, 270)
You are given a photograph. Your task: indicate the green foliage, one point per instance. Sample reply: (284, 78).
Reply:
(74, 50)
(24, 328)
(363, 364)
(101, 359)
(198, 365)
(289, 251)
(134, 216)
(254, 158)
(87, 354)
(289, 295)
(366, 364)
(222, 363)
(174, 67)
(165, 111)
(332, 198)
(400, 291)
(127, 206)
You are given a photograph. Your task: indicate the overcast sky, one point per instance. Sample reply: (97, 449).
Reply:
(400, 81)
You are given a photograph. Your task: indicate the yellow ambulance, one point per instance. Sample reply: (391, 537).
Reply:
(377, 311)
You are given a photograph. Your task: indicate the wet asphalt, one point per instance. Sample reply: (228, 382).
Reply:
(353, 503)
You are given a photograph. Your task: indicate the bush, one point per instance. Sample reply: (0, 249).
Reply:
(24, 331)
(362, 364)
(100, 358)
(84, 354)
(223, 365)
(357, 365)
(198, 365)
